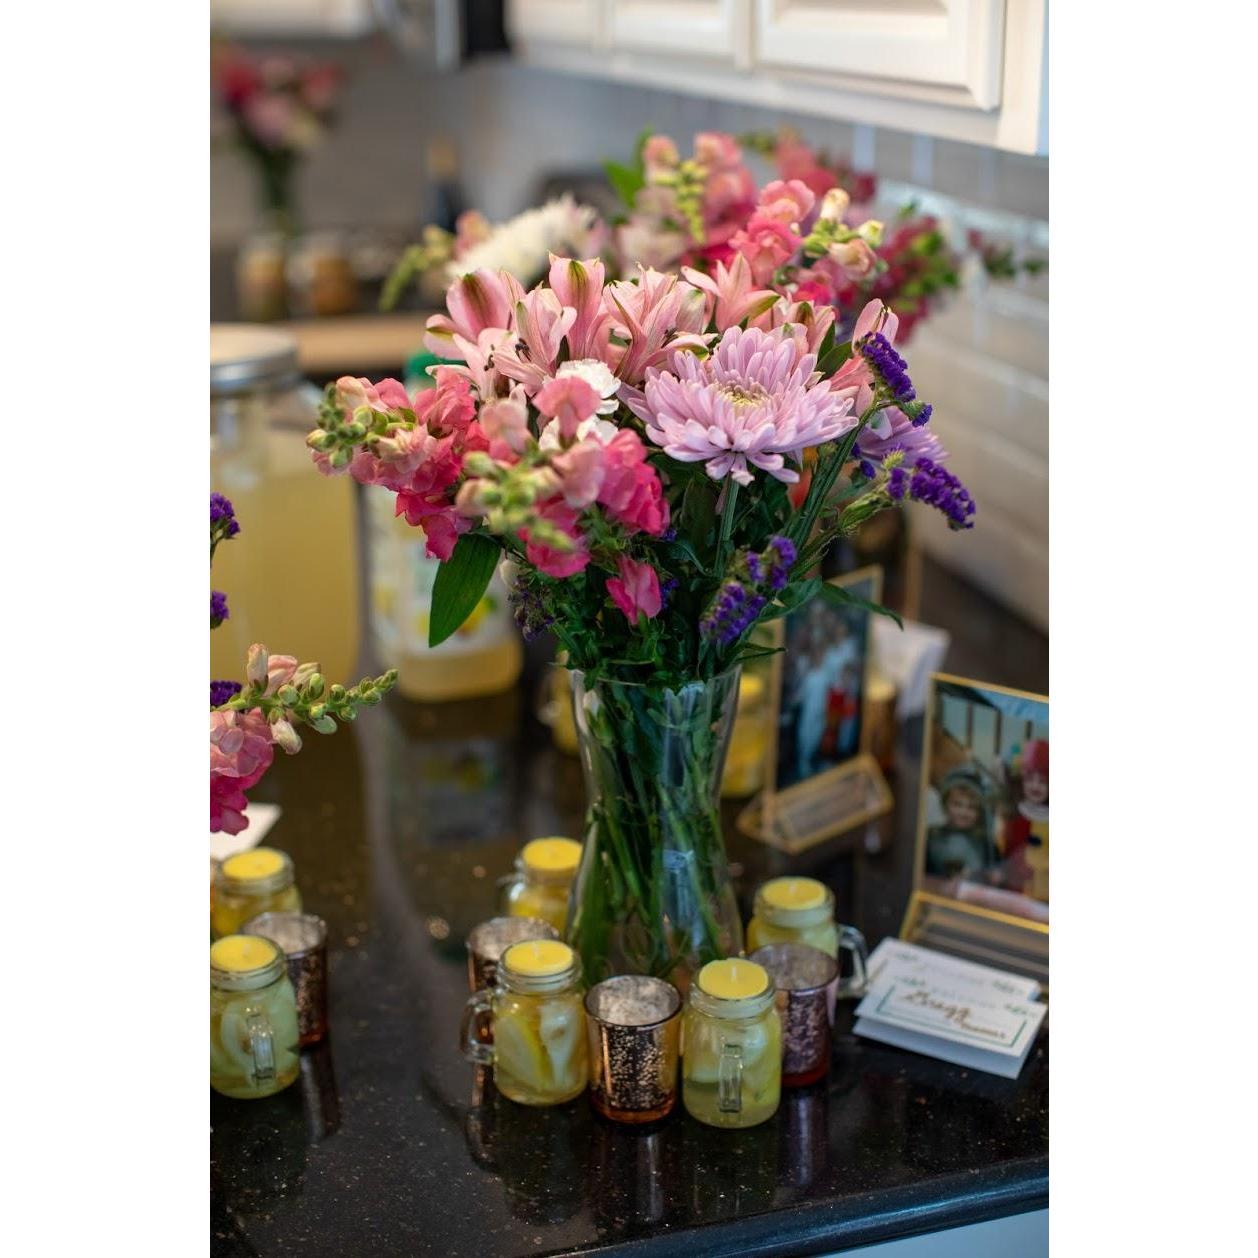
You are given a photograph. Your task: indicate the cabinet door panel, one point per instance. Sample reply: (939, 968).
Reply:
(950, 44)
(556, 21)
(689, 28)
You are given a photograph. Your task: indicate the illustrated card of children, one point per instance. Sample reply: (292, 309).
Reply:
(818, 781)
(982, 833)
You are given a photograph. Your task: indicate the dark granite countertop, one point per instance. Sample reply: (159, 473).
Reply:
(392, 1144)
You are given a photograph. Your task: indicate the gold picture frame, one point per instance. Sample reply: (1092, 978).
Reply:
(843, 797)
(987, 933)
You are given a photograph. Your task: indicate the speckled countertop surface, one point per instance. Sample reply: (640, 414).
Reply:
(391, 1144)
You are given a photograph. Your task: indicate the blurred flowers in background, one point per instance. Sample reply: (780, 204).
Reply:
(279, 108)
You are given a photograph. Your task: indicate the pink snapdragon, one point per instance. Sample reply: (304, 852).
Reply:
(636, 591)
(631, 489)
(568, 400)
(767, 243)
(241, 751)
(550, 559)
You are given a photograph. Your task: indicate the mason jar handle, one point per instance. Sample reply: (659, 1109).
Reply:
(851, 940)
(506, 884)
(477, 1009)
(729, 1079)
(261, 1046)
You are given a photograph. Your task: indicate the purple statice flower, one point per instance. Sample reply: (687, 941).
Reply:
(929, 483)
(888, 366)
(221, 691)
(667, 588)
(223, 516)
(530, 612)
(893, 429)
(218, 608)
(772, 567)
(922, 417)
(732, 612)
(752, 403)
(867, 469)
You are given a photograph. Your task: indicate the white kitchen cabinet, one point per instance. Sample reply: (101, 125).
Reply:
(292, 17)
(972, 70)
(950, 48)
(711, 29)
(563, 22)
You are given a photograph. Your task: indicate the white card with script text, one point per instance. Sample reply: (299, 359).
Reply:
(968, 1014)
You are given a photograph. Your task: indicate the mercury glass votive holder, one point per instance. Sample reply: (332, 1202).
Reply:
(633, 1023)
(807, 981)
(304, 939)
(488, 941)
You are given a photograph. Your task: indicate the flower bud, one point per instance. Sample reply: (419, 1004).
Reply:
(314, 686)
(287, 695)
(337, 692)
(340, 458)
(324, 724)
(316, 711)
(285, 736)
(320, 439)
(834, 205)
(256, 665)
(303, 673)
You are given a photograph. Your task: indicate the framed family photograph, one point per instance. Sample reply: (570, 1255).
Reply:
(818, 779)
(981, 875)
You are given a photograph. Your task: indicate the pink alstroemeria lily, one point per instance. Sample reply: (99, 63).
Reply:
(731, 288)
(651, 311)
(854, 379)
(579, 285)
(475, 301)
(542, 321)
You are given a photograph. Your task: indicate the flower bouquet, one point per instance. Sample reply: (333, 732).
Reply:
(279, 109)
(637, 451)
(249, 720)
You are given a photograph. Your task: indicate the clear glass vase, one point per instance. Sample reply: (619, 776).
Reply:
(653, 894)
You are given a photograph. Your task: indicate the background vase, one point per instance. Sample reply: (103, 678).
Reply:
(653, 894)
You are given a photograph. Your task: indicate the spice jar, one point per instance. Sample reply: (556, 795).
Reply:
(545, 869)
(731, 1045)
(260, 880)
(253, 1018)
(537, 1024)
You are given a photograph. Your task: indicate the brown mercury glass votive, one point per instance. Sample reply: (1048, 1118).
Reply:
(807, 982)
(304, 939)
(634, 1027)
(489, 940)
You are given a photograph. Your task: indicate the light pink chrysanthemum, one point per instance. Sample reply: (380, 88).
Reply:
(756, 400)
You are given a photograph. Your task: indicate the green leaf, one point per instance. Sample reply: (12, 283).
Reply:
(461, 581)
(834, 358)
(838, 596)
(627, 181)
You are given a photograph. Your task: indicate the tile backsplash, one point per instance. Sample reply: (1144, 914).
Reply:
(983, 361)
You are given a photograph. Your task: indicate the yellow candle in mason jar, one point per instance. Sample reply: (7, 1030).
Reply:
(260, 880)
(731, 1045)
(794, 910)
(545, 869)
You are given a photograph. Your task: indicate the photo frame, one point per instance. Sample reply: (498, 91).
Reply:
(819, 782)
(980, 874)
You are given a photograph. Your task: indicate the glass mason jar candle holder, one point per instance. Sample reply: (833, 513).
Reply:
(731, 1046)
(539, 888)
(260, 880)
(634, 1028)
(537, 1024)
(801, 910)
(489, 940)
(254, 1048)
(807, 981)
